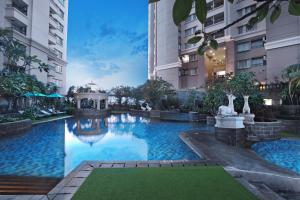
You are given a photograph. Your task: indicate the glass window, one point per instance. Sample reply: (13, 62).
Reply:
(258, 61)
(219, 18)
(243, 64)
(218, 3)
(58, 68)
(251, 28)
(61, 13)
(59, 40)
(193, 57)
(193, 72)
(210, 6)
(209, 21)
(240, 29)
(245, 46)
(250, 9)
(257, 44)
(240, 12)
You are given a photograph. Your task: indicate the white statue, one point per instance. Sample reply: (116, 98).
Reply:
(228, 110)
(246, 108)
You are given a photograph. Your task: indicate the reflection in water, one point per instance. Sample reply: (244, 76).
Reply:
(54, 149)
(103, 139)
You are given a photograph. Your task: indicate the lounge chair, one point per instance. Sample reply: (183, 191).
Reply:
(143, 108)
(45, 113)
(148, 107)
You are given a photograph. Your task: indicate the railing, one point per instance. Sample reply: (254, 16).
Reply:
(23, 10)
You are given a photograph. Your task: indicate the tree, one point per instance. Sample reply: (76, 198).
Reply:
(182, 9)
(122, 91)
(154, 90)
(15, 53)
(292, 73)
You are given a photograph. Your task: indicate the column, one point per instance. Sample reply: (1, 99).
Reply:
(78, 103)
(94, 102)
(106, 103)
(98, 104)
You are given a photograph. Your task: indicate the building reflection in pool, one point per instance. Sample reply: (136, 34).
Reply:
(90, 130)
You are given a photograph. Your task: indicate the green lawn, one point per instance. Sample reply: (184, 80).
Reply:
(188, 183)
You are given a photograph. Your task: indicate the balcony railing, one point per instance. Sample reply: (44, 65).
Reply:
(23, 9)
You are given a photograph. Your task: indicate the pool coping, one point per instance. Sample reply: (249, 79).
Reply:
(51, 120)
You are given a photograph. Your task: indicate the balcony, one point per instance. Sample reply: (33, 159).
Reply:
(53, 22)
(15, 14)
(51, 72)
(53, 7)
(52, 38)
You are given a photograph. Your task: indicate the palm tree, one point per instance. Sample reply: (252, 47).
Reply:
(292, 73)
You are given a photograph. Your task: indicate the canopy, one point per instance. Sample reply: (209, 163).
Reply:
(34, 94)
(55, 95)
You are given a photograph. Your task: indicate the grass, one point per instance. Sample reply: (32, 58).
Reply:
(188, 183)
(289, 134)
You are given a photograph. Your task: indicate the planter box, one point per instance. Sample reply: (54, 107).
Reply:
(264, 130)
(13, 128)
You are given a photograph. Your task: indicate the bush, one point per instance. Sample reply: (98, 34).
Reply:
(214, 98)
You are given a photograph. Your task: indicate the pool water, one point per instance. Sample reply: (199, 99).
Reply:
(53, 149)
(284, 153)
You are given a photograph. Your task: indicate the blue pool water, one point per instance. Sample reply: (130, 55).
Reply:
(53, 149)
(284, 153)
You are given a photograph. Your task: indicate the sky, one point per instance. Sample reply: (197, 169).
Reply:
(107, 42)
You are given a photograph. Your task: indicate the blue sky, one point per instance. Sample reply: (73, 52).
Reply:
(107, 42)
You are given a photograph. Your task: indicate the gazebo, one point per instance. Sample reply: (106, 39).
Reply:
(92, 94)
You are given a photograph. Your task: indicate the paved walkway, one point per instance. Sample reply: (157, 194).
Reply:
(242, 162)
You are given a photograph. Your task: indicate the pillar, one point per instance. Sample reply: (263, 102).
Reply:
(94, 102)
(106, 103)
(78, 103)
(98, 104)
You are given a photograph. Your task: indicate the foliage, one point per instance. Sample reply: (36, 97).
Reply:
(122, 91)
(19, 84)
(241, 84)
(15, 52)
(154, 90)
(182, 9)
(214, 98)
(292, 73)
(190, 103)
(30, 113)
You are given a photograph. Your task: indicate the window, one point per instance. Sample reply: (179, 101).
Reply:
(243, 64)
(191, 18)
(193, 72)
(210, 6)
(219, 34)
(251, 28)
(209, 21)
(60, 27)
(193, 57)
(257, 44)
(58, 69)
(190, 31)
(245, 46)
(240, 29)
(218, 3)
(59, 40)
(219, 18)
(240, 12)
(61, 13)
(257, 61)
(183, 72)
(59, 53)
(249, 9)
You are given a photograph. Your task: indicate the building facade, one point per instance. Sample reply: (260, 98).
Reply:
(41, 26)
(241, 48)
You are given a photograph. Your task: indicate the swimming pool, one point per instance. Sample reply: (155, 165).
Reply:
(53, 149)
(284, 153)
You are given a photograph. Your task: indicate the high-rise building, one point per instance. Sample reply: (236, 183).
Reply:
(265, 49)
(41, 26)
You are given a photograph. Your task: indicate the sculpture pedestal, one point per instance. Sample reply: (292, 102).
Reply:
(230, 130)
(249, 118)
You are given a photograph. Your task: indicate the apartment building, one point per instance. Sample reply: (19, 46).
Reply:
(260, 49)
(41, 26)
